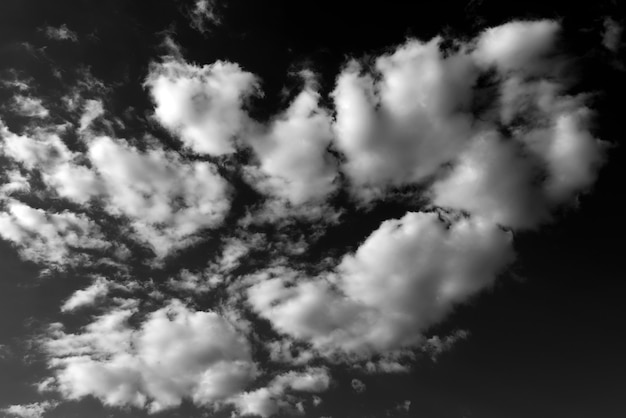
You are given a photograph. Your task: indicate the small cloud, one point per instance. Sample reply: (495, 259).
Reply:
(91, 111)
(32, 410)
(61, 33)
(204, 14)
(30, 107)
(436, 345)
(612, 36)
(358, 386)
(88, 296)
(5, 352)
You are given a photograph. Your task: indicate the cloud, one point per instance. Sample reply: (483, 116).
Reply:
(30, 107)
(358, 386)
(92, 109)
(516, 45)
(405, 277)
(32, 410)
(176, 353)
(88, 296)
(204, 15)
(436, 345)
(484, 134)
(53, 238)
(612, 36)
(61, 33)
(203, 105)
(267, 401)
(167, 199)
(401, 124)
(293, 160)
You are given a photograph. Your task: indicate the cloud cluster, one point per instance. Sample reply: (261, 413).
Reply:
(32, 410)
(166, 199)
(269, 400)
(484, 132)
(405, 277)
(86, 297)
(176, 353)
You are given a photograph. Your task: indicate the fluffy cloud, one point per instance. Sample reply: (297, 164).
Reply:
(404, 278)
(203, 15)
(402, 127)
(203, 105)
(167, 199)
(485, 129)
(176, 353)
(88, 296)
(267, 401)
(52, 238)
(32, 410)
(61, 33)
(30, 106)
(516, 44)
(294, 162)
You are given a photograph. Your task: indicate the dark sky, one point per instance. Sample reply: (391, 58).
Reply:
(545, 340)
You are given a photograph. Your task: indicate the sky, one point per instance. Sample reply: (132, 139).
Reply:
(218, 208)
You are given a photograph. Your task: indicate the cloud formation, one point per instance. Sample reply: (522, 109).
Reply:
(484, 134)
(176, 353)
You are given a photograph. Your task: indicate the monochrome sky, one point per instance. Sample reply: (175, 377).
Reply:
(218, 208)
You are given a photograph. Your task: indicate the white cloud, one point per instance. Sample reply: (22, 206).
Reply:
(15, 182)
(401, 128)
(404, 278)
(61, 33)
(409, 119)
(515, 45)
(88, 296)
(167, 199)
(51, 238)
(30, 107)
(493, 180)
(203, 105)
(436, 345)
(92, 109)
(358, 386)
(204, 15)
(293, 153)
(176, 353)
(612, 36)
(267, 401)
(46, 150)
(32, 410)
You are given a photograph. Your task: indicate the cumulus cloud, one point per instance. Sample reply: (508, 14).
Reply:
(203, 105)
(30, 106)
(203, 15)
(401, 124)
(166, 198)
(61, 33)
(267, 401)
(405, 277)
(52, 238)
(176, 353)
(294, 162)
(358, 386)
(437, 345)
(515, 45)
(88, 296)
(32, 410)
(612, 36)
(483, 132)
(92, 109)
